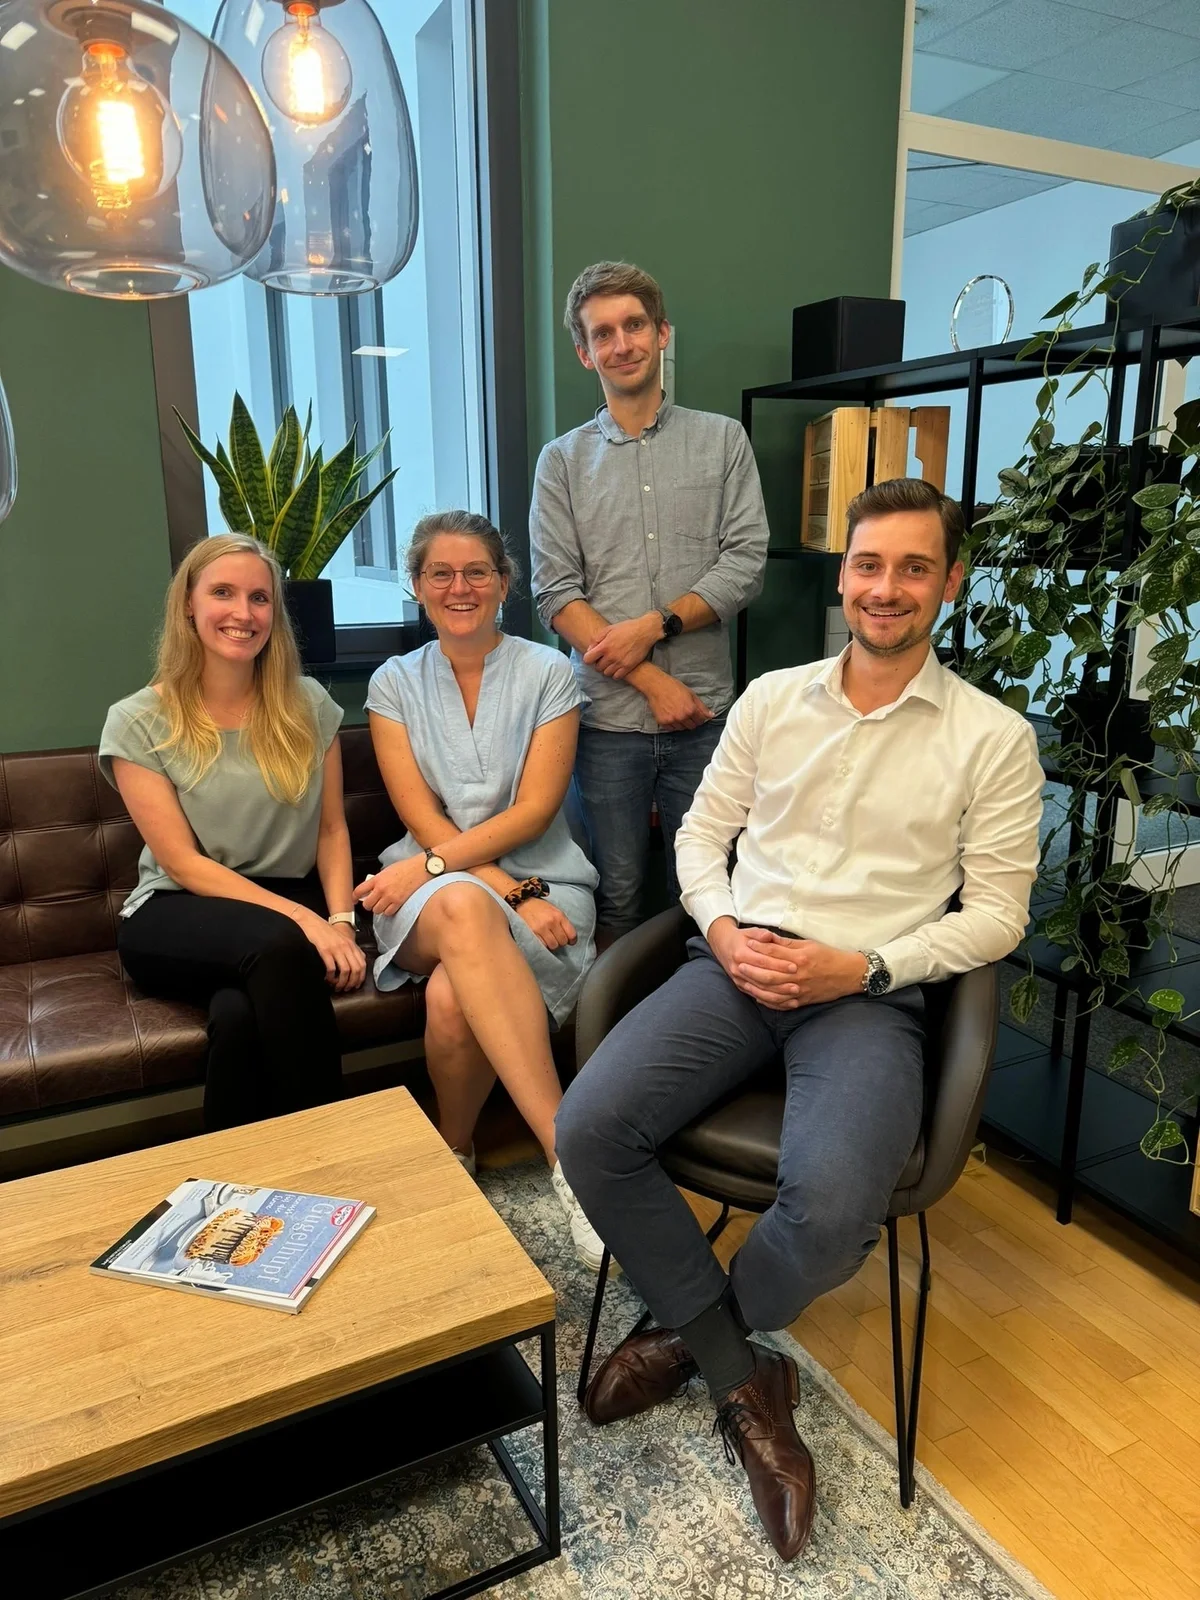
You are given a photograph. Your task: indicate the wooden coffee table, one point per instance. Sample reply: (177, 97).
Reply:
(131, 1416)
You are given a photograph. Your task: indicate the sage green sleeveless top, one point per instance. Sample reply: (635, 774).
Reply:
(236, 820)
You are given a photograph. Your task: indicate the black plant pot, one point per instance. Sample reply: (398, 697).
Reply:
(310, 606)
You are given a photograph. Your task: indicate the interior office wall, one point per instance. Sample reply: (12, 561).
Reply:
(84, 557)
(744, 155)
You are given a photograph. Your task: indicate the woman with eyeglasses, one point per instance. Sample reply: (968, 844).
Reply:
(487, 896)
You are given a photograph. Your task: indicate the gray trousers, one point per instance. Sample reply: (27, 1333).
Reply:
(853, 1113)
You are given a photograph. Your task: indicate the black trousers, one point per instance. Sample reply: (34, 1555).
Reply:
(272, 1039)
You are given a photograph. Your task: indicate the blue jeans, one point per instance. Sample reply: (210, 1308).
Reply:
(618, 776)
(855, 1087)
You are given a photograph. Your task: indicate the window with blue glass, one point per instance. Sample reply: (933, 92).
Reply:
(402, 362)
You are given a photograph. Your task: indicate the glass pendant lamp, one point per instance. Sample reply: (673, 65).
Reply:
(134, 160)
(346, 215)
(8, 458)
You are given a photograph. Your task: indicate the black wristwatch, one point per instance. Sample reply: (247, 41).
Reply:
(672, 622)
(877, 979)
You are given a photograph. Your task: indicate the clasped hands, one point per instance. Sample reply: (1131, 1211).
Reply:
(625, 645)
(384, 892)
(784, 974)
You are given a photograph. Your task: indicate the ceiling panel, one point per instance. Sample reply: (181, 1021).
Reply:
(1178, 16)
(1164, 138)
(935, 18)
(1122, 56)
(1020, 33)
(1180, 87)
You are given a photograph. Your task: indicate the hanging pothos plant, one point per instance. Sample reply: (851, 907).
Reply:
(1061, 570)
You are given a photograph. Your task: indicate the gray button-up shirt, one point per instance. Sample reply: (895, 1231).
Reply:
(632, 524)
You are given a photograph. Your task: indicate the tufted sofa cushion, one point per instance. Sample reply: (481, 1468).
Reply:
(73, 1028)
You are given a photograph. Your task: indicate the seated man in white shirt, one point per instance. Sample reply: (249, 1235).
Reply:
(864, 793)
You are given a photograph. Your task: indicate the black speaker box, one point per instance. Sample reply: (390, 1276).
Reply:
(1165, 273)
(844, 334)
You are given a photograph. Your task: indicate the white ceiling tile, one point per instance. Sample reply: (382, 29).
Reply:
(938, 17)
(933, 215)
(1180, 87)
(1177, 16)
(1166, 138)
(1019, 33)
(937, 81)
(1025, 102)
(1121, 56)
(1132, 9)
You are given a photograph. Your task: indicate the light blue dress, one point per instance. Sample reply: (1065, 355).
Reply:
(475, 772)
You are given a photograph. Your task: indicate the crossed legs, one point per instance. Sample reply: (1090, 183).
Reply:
(485, 1016)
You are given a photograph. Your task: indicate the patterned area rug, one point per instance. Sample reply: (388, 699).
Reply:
(650, 1507)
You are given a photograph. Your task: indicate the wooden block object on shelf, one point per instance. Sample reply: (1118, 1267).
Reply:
(851, 447)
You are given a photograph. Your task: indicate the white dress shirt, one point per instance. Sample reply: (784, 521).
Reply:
(858, 830)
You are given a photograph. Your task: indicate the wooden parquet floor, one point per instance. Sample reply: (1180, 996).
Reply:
(1061, 1399)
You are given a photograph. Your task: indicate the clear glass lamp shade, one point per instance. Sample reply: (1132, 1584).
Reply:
(346, 215)
(134, 160)
(8, 458)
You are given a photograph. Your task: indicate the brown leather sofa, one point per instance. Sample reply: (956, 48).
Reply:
(73, 1029)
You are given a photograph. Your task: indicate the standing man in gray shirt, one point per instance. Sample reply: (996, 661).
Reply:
(648, 534)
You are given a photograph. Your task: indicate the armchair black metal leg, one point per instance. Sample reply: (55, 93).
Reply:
(589, 1344)
(718, 1227)
(907, 1398)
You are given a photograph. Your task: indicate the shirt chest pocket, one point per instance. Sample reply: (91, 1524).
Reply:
(695, 512)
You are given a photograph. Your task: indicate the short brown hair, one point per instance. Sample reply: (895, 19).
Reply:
(611, 277)
(908, 494)
(471, 525)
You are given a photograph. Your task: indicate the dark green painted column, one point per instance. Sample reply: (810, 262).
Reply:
(84, 558)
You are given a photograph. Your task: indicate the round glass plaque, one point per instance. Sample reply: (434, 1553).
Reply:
(983, 313)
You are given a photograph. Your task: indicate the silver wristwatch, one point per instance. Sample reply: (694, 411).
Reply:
(877, 979)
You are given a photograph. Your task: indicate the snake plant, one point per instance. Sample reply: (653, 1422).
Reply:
(300, 505)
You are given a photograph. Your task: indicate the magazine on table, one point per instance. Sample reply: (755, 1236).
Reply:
(236, 1241)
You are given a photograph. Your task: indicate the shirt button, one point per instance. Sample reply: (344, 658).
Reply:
(645, 488)
(812, 866)
(649, 536)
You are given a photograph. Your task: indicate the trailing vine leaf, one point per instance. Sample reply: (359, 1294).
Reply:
(1124, 1053)
(1029, 649)
(1165, 1134)
(1156, 495)
(1023, 997)
(1167, 1000)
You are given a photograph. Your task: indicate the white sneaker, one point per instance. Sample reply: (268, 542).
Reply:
(467, 1160)
(589, 1246)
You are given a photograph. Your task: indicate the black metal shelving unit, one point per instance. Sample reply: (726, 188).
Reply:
(1046, 1099)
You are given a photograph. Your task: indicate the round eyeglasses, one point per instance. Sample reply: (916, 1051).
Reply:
(478, 575)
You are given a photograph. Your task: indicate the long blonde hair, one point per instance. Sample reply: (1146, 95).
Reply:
(280, 731)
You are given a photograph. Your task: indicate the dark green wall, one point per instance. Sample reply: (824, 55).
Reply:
(84, 557)
(743, 154)
(746, 156)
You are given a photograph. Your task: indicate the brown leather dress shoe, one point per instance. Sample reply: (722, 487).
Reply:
(642, 1371)
(755, 1422)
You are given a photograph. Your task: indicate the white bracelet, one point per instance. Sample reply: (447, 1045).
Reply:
(343, 916)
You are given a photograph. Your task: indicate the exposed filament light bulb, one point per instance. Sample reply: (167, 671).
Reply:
(305, 70)
(117, 131)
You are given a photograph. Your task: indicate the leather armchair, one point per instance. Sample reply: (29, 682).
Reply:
(731, 1153)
